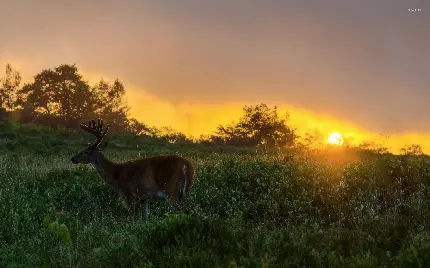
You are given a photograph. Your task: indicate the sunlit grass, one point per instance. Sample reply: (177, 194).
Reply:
(265, 208)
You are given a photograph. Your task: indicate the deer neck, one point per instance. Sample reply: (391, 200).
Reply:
(105, 168)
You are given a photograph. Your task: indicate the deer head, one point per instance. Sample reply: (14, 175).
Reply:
(88, 155)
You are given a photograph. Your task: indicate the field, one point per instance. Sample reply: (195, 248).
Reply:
(247, 208)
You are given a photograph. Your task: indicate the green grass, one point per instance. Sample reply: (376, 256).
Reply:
(246, 208)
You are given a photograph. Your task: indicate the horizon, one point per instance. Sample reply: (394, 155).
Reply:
(193, 69)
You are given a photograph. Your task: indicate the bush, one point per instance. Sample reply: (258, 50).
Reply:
(246, 209)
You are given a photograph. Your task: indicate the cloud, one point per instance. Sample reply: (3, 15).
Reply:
(364, 62)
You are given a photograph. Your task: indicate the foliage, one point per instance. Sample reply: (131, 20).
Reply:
(413, 149)
(110, 104)
(312, 139)
(138, 128)
(170, 135)
(373, 147)
(9, 85)
(259, 125)
(61, 97)
(247, 208)
(61, 92)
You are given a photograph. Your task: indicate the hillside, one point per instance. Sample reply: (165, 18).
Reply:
(247, 208)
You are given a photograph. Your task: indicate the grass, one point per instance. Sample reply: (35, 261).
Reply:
(246, 209)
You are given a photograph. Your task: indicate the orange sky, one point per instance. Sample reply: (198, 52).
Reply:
(356, 67)
(195, 118)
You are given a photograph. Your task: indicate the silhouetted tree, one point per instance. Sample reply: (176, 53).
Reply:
(9, 85)
(170, 135)
(75, 99)
(138, 128)
(258, 125)
(110, 104)
(373, 147)
(313, 139)
(413, 149)
(61, 92)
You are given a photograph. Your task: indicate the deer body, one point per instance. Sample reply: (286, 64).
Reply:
(160, 177)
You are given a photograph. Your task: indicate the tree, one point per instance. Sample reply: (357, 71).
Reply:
(75, 99)
(259, 125)
(170, 135)
(110, 103)
(373, 147)
(313, 139)
(414, 149)
(61, 92)
(8, 87)
(138, 128)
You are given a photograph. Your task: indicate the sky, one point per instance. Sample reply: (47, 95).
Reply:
(360, 67)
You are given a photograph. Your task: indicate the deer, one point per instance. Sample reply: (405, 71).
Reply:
(166, 177)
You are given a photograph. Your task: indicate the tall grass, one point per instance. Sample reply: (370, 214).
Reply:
(246, 208)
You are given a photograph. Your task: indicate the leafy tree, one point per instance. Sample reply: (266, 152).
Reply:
(170, 135)
(110, 104)
(60, 92)
(259, 125)
(75, 99)
(413, 149)
(138, 128)
(374, 147)
(9, 85)
(312, 139)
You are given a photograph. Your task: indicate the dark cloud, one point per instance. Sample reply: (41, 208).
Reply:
(367, 61)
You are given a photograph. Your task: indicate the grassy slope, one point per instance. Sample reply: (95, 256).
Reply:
(280, 209)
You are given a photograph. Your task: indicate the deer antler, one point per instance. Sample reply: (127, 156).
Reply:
(96, 130)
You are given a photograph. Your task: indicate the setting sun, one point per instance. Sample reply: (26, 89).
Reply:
(335, 139)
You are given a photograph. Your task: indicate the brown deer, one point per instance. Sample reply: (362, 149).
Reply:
(160, 177)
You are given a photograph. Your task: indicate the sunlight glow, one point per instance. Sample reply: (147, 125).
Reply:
(196, 118)
(335, 139)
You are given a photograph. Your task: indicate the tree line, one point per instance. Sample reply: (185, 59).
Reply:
(61, 97)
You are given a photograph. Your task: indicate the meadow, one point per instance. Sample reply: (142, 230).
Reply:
(247, 207)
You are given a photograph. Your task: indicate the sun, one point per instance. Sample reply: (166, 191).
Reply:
(335, 138)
